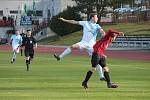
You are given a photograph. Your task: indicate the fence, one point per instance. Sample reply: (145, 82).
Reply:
(132, 17)
(131, 42)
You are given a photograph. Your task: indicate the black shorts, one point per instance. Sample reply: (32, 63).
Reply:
(96, 59)
(29, 53)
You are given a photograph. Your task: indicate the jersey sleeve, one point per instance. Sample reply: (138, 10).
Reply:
(98, 26)
(82, 23)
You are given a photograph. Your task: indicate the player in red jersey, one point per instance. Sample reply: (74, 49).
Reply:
(98, 57)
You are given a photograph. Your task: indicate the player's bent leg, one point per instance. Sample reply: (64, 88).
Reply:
(14, 54)
(106, 74)
(56, 56)
(94, 62)
(85, 82)
(99, 68)
(93, 69)
(17, 50)
(88, 76)
(64, 53)
(13, 57)
(109, 83)
(21, 51)
(27, 62)
(100, 72)
(75, 46)
(106, 69)
(27, 59)
(31, 57)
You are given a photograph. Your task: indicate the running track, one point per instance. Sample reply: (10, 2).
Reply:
(133, 55)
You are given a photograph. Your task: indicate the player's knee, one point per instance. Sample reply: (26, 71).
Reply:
(75, 46)
(70, 48)
(106, 69)
(93, 69)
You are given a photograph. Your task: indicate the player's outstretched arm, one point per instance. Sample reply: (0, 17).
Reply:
(69, 21)
(102, 31)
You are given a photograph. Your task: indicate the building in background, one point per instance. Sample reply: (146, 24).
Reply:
(29, 14)
(42, 9)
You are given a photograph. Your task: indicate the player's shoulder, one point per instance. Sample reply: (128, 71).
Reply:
(82, 22)
(13, 36)
(98, 25)
(19, 36)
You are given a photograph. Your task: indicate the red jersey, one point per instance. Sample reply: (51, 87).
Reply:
(103, 43)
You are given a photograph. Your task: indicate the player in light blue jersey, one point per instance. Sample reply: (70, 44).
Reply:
(15, 42)
(90, 30)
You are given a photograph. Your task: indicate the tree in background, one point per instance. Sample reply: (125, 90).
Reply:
(34, 9)
(87, 6)
(62, 28)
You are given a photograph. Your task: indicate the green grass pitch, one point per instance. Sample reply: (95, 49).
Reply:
(49, 79)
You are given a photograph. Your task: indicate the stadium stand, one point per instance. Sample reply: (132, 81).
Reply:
(131, 42)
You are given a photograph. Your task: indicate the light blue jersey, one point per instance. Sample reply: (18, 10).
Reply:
(89, 31)
(16, 41)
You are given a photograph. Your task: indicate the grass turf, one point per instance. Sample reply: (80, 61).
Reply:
(52, 80)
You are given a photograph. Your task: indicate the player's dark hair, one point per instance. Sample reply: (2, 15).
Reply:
(29, 31)
(92, 15)
(112, 35)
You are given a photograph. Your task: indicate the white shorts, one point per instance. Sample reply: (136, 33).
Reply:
(15, 48)
(87, 46)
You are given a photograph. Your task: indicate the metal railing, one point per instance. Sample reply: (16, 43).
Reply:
(131, 42)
